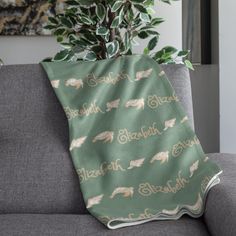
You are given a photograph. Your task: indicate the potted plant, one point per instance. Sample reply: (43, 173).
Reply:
(95, 30)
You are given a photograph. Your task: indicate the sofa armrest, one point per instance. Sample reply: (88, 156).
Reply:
(220, 213)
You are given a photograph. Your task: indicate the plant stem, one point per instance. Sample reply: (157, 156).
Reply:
(111, 17)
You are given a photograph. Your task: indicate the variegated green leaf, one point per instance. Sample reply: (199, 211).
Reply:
(144, 17)
(86, 20)
(116, 6)
(102, 31)
(115, 23)
(152, 43)
(59, 31)
(67, 22)
(100, 11)
(62, 55)
(90, 56)
(183, 53)
(59, 39)
(143, 35)
(141, 8)
(72, 2)
(189, 64)
(156, 21)
(112, 48)
(138, 1)
(53, 20)
(146, 51)
(127, 42)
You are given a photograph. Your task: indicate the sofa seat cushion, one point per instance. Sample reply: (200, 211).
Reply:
(220, 213)
(68, 225)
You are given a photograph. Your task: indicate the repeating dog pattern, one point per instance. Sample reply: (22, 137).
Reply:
(184, 119)
(76, 83)
(106, 136)
(55, 83)
(161, 156)
(162, 73)
(94, 201)
(193, 168)
(125, 191)
(170, 123)
(76, 143)
(113, 105)
(111, 174)
(136, 163)
(137, 103)
(143, 74)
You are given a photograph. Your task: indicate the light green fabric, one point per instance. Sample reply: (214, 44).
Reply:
(135, 153)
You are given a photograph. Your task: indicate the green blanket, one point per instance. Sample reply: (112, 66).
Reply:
(135, 153)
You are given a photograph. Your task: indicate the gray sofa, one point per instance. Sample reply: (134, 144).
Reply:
(39, 189)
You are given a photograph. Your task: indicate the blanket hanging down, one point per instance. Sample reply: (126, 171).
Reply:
(135, 153)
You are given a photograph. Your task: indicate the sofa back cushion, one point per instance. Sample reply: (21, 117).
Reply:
(36, 171)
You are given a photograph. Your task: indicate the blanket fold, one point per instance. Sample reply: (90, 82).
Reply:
(135, 153)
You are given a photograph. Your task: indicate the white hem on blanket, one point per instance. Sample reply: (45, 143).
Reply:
(160, 216)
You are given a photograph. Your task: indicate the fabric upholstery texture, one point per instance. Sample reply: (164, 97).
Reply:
(86, 225)
(220, 213)
(36, 171)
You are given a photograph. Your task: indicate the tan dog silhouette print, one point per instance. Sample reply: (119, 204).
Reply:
(126, 192)
(193, 168)
(184, 120)
(77, 83)
(137, 103)
(77, 143)
(161, 156)
(106, 137)
(113, 105)
(162, 73)
(55, 83)
(169, 124)
(136, 163)
(94, 201)
(143, 74)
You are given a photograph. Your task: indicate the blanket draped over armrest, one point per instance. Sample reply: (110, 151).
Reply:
(135, 153)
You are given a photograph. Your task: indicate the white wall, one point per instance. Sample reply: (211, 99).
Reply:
(171, 29)
(26, 50)
(21, 50)
(227, 43)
